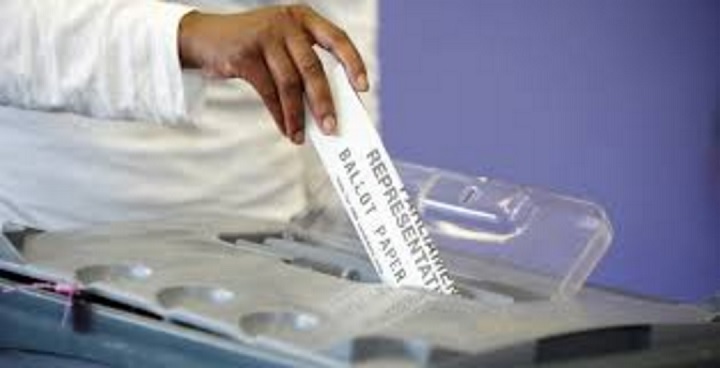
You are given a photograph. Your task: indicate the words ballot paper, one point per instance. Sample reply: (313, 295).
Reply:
(375, 199)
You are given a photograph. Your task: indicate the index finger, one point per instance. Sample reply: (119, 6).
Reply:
(335, 40)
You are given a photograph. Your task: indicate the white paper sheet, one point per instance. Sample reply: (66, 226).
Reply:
(375, 199)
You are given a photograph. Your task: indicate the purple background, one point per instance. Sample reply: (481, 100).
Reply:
(614, 101)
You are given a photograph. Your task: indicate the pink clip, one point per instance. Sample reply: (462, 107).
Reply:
(66, 289)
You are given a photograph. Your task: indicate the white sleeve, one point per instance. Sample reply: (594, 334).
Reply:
(115, 59)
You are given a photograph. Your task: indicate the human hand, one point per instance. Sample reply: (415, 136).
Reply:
(271, 48)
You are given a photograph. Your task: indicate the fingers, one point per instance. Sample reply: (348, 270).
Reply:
(289, 85)
(273, 49)
(315, 82)
(264, 84)
(336, 41)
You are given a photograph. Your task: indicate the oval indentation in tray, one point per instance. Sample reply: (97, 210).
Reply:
(279, 324)
(113, 272)
(184, 296)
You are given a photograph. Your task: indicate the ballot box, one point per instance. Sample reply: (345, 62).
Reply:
(229, 292)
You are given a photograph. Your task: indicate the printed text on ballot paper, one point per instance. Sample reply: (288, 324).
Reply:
(415, 236)
(374, 197)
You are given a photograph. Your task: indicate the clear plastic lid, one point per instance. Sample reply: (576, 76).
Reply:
(501, 242)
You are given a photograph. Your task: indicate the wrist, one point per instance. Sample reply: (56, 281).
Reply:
(187, 40)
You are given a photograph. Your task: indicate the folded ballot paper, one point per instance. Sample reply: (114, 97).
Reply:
(375, 199)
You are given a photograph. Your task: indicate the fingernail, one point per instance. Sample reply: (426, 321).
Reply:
(329, 125)
(298, 137)
(362, 82)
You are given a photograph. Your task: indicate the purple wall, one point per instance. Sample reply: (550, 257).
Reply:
(615, 101)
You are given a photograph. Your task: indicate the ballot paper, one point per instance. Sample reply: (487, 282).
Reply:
(374, 197)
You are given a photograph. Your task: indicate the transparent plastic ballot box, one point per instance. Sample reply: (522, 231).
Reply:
(502, 242)
(242, 291)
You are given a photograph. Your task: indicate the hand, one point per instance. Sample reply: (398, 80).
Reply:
(271, 48)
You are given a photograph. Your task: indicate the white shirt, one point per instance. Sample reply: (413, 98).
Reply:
(159, 144)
